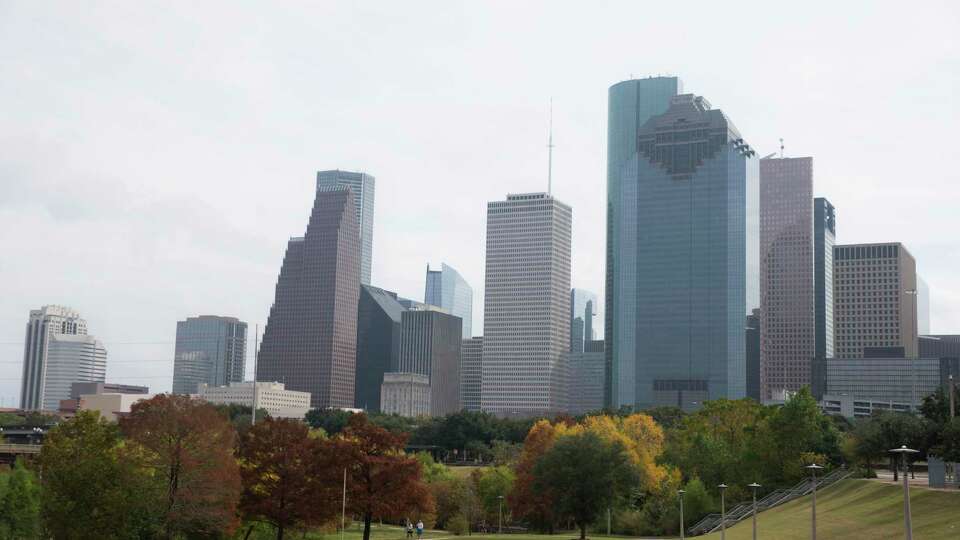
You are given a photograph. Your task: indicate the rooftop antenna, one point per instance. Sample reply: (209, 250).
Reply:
(550, 153)
(781, 148)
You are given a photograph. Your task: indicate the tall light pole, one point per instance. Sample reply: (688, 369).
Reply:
(680, 492)
(754, 487)
(723, 512)
(903, 451)
(813, 520)
(499, 514)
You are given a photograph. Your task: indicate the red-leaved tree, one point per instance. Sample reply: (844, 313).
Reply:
(190, 445)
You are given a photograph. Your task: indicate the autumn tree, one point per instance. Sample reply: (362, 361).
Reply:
(190, 446)
(382, 481)
(534, 505)
(283, 484)
(94, 487)
(585, 475)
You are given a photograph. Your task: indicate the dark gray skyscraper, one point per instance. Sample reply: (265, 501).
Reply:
(378, 343)
(310, 342)
(446, 289)
(631, 104)
(210, 350)
(363, 187)
(685, 256)
(824, 237)
(430, 345)
(471, 372)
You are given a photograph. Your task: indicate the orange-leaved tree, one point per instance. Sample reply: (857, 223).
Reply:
(525, 501)
(382, 481)
(287, 478)
(190, 446)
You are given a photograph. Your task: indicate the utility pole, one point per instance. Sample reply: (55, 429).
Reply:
(952, 397)
(256, 344)
(550, 153)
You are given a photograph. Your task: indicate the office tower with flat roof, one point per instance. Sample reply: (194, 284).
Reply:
(57, 353)
(526, 322)
(583, 305)
(363, 187)
(752, 331)
(824, 238)
(694, 264)
(430, 345)
(446, 289)
(378, 343)
(939, 346)
(587, 378)
(209, 350)
(471, 372)
(786, 275)
(630, 104)
(310, 341)
(875, 295)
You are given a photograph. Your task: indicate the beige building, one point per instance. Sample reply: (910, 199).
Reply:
(875, 299)
(110, 406)
(406, 394)
(270, 396)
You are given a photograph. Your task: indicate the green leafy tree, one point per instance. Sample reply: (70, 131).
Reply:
(432, 471)
(331, 421)
(949, 446)
(587, 476)
(697, 501)
(10, 419)
(492, 483)
(20, 505)
(797, 427)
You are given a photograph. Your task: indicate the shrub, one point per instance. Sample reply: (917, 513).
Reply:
(458, 525)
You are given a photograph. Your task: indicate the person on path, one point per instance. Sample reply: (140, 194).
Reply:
(409, 530)
(420, 529)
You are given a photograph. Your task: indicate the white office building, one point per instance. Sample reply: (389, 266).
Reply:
(270, 396)
(57, 353)
(406, 394)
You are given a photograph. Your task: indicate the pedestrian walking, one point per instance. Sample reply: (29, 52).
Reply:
(419, 529)
(409, 530)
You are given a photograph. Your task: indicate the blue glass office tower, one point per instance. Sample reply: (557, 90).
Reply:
(824, 237)
(631, 103)
(684, 259)
(446, 289)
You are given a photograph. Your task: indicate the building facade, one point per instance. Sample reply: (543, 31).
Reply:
(857, 387)
(270, 396)
(874, 291)
(688, 262)
(111, 406)
(378, 343)
(80, 388)
(526, 306)
(940, 346)
(406, 394)
(787, 343)
(824, 238)
(583, 307)
(446, 289)
(57, 353)
(310, 341)
(630, 104)
(430, 345)
(753, 355)
(363, 187)
(587, 378)
(471, 373)
(209, 350)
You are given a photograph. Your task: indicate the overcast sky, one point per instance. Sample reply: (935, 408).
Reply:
(154, 159)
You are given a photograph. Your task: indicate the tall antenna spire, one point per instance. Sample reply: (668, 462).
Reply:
(781, 148)
(550, 153)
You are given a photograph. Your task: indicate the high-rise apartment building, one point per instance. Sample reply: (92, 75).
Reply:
(526, 305)
(786, 275)
(471, 372)
(209, 350)
(363, 187)
(430, 345)
(378, 343)
(446, 289)
(687, 259)
(57, 353)
(583, 305)
(310, 341)
(631, 103)
(875, 295)
(824, 238)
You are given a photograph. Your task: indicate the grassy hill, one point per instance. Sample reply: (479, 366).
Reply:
(858, 509)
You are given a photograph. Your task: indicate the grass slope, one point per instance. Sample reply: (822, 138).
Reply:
(859, 509)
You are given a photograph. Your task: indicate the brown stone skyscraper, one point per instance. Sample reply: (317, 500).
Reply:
(310, 341)
(787, 342)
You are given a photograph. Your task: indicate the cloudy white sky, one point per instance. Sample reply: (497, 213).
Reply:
(154, 158)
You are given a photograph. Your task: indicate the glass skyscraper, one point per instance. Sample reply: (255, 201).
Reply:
(684, 255)
(209, 350)
(363, 187)
(446, 289)
(583, 306)
(824, 237)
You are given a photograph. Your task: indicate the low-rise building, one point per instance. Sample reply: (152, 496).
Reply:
(110, 406)
(270, 396)
(406, 394)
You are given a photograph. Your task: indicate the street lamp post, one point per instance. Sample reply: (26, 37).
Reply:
(723, 512)
(499, 514)
(680, 492)
(903, 450)
(813, 520)
(754, 487)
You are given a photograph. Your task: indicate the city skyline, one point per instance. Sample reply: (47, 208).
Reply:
(212, 168)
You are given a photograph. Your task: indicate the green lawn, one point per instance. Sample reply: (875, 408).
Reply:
(860, 509)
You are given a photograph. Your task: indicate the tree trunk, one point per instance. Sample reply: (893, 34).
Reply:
(893, 465)
(583, 531)
(280, 532)
(367, 518)
(247, 536)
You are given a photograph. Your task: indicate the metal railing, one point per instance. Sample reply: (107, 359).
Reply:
(20, 448)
